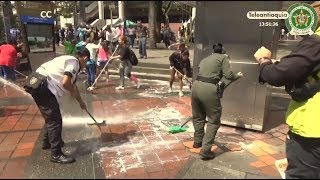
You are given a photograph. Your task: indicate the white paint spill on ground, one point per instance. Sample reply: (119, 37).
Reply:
(155, 117)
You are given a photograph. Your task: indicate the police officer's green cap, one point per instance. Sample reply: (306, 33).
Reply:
(82, 52)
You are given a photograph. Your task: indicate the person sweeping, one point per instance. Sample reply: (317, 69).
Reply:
(180, 64)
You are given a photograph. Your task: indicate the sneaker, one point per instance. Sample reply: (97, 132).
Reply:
(207, 155)
(144, 57)
(180, 93)
(119, 88)
(170, 90)
(62, 159)
(46, 146)
(138, 84)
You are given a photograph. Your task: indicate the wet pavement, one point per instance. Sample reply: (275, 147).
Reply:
(135, 142)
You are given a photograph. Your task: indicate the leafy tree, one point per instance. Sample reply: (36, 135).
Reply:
(65, 8)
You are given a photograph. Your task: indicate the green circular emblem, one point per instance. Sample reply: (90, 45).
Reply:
(302, 19)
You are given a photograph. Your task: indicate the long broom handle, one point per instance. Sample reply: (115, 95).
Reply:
(182, 75)
(95, 81)
(20, 73)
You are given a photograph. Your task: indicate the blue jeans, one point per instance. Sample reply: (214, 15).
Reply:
(91, 70)
(143, 46)
(131, 40)
(7, 73)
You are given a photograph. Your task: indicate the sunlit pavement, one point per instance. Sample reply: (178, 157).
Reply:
(135, 143)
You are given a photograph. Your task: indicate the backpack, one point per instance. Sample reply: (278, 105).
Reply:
(133, 58)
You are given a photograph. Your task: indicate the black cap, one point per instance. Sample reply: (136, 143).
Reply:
(83, 51)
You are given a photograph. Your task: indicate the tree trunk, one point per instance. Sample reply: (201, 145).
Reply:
(82, 12)
(23, 33)
(8, 17)
(75, 15)
(167, 11)
(158, 21)
(152, 20)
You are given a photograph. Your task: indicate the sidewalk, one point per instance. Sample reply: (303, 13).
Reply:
(135, 143)
(156, 56)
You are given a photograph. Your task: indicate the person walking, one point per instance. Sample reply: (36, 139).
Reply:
(205, 101)
(142, 36)
(8, 60)
(125, 65)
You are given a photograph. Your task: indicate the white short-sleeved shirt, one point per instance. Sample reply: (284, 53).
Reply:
(93, 50)
(56, 69)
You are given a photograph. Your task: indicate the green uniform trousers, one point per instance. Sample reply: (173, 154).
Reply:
(205, 103)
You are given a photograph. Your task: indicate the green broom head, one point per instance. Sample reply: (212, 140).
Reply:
(177, 129)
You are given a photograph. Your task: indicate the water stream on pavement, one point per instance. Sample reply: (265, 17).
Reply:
(14, 86)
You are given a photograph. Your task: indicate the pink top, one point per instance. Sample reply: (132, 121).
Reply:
(103, 55)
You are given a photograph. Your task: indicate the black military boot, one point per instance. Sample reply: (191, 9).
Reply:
(197, 145)
(61, 158)
(46, 145)
(207, 155)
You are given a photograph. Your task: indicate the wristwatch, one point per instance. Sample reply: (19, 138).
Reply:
(264, 59)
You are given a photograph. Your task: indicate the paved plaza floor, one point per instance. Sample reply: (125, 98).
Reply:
(135, 142)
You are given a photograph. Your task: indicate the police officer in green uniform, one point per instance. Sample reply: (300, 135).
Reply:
(205, 101)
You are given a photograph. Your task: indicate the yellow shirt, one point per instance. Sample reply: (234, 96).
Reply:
(303, 118)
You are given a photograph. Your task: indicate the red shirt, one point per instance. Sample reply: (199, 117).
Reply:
(8, 55)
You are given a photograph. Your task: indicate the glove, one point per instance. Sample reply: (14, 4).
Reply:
(262, 53)
(239, 74)
(184, 77)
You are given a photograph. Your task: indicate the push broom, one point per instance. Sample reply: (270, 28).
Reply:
(190, 83)
(181, 128)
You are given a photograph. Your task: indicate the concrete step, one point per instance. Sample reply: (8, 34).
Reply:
(151, 70)
(143, 75)
(153, 65)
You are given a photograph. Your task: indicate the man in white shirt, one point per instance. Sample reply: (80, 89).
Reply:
(61, 73)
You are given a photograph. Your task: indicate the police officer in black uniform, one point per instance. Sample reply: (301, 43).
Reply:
(205, 101)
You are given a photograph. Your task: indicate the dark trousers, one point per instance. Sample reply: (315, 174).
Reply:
(205, 104)
(131, 40)
(166, 41)
(49, 108)
(303, 155)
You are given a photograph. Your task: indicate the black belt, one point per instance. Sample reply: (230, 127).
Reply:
(208, 80)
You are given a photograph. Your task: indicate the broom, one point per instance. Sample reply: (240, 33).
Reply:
(96, 80)
(190, 83)
(177, 129)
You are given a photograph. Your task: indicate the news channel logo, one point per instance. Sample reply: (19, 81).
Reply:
(300, 18)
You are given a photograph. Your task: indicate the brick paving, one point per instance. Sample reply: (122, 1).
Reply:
(20, 127)
(135, 143)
